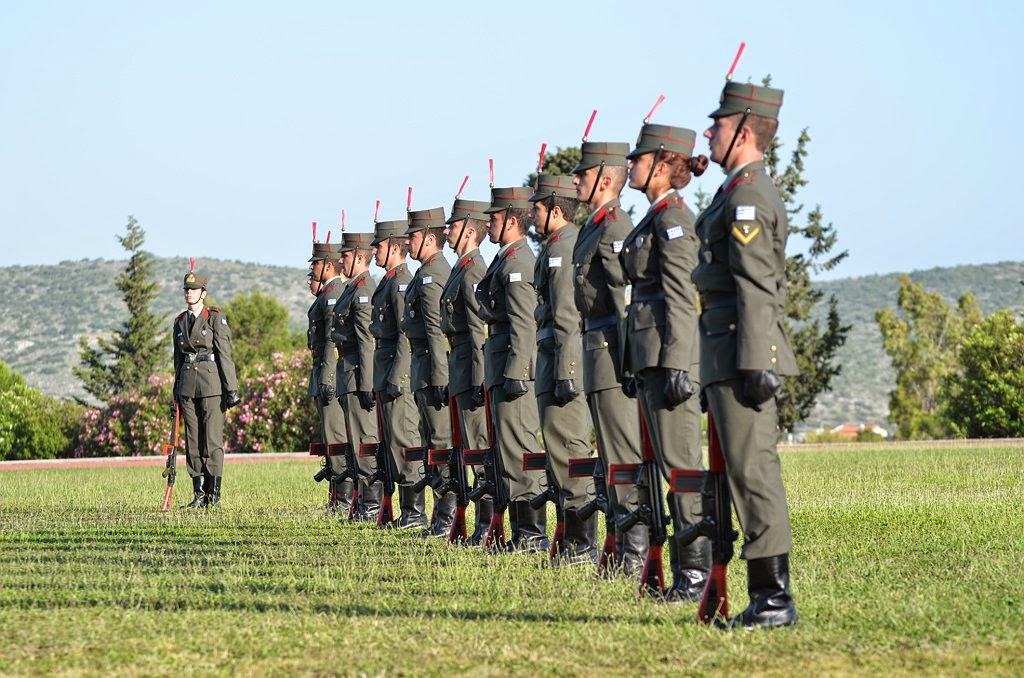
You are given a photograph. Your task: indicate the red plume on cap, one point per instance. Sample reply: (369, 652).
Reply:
(376, 211)
(328, 237)
(736, 60)
(661, 98)
(191, 263)
(314, 232)
(464, 182)
(490, 165)
(342, 221)
(408, 200)
(540, 160)
(590, 123)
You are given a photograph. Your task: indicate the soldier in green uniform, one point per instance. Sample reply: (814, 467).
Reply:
(661, 330)
(461, 323)
(325, 264)
(205, 386)
(601, 300)
(391, 366)
(564, 419)
(351, 335)
(507, 300)
(421, 323)
(741, 276)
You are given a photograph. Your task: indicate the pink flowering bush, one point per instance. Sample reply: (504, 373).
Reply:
(275, 415)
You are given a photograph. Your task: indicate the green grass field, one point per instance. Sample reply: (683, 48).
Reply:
(907, 561)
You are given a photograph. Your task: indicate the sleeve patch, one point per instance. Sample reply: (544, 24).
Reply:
(223, 321)
(744, 233)
(332, 302)
(402, 287)
(364, 300)
(554, 262)
(474, 287)
(515, 277)
(427, 279)
(746, 213)
(617, 246)
(674, 232)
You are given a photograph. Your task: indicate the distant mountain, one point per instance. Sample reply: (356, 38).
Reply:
(44, 309)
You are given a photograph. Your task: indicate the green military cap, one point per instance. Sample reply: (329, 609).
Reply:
(672, 139)
(422, 219)
(738, 97)
(468, 209)
(385, 230)
(326, 250)
(548, 185)
(514, 196)
(594, 153)
(194, 282)
(351, 240)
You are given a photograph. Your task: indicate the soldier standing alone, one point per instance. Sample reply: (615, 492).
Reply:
(205, 386)
(741, 276)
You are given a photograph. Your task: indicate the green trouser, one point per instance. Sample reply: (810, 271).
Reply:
(435, 426)
(332, 430)
(204, 435)
(515, 425)
(401, 431)
(566, 432)
(472, 422)
(675, 438)
(362, 425)
(748, 440)
(618, 441)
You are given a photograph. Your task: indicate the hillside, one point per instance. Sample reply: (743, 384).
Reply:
(44, 309)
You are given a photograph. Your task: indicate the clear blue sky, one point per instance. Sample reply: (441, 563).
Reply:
(226, 127)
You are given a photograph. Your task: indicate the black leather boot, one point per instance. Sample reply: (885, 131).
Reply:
(632, 550)
(481, 521)
(690, 566)
(213, 492)
(771, 602)
(578, 544)
(532, 528)
(199, 498)
(369, 503)
(344, 491)
(412, 505)
(444, 512)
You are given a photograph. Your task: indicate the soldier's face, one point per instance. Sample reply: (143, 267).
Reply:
(380, 251)
(584, 182)
(639, 170)
(317, 267)
(494, 226)
(539, 217)
(193, 296)
(451, 233)
(347, 259)
(719, 136)
(412, 243)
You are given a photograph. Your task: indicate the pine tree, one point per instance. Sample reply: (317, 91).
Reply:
(140, 348)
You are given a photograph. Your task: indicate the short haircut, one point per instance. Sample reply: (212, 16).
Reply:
(569, 206)
(479, 229)
(618, 174)
(764, 130)
(522, 215)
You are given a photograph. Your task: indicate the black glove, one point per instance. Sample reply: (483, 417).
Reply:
(439, 396)
(365, 399)
(174, 409)
(392, 390)
(629, 386)
(229, 400)
(678, 387)
(515, 388)
(478, 396)
(326, 394)
(565, 391)
(703, 400)
(760, 386)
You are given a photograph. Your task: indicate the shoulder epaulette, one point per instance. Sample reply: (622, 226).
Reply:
(600, 214)
(744, 177)
(466, 263)
(214, 309)
(555, 236)
(511, 251)
(181, 315)
(613, 215)
(359, 281)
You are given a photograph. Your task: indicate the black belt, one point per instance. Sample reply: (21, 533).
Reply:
(417, 343)
(545, 333)
(600, 322)
(710, 300)
(381, 343)
(654, 296)
(460, 338)
(499, 328)
(200, 357)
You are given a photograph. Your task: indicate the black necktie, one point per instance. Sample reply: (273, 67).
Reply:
(191, 321)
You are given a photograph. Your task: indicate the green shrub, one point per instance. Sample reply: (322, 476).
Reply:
(32, 425)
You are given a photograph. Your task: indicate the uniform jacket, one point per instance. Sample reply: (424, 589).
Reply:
(321, 319)
(391, 357)
(658, 256)
(351, 335)
(600, 285)
(507, 300)
(210, 335)
(421, 323)
(559, 344)
(741, 276)
(462, 324)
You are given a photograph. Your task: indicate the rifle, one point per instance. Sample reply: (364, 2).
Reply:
(553, 494)
(458, 479)
(494, 481)
(651, 512)
(716, 525)
(386, 515)
(594, 468)
(171, 452)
